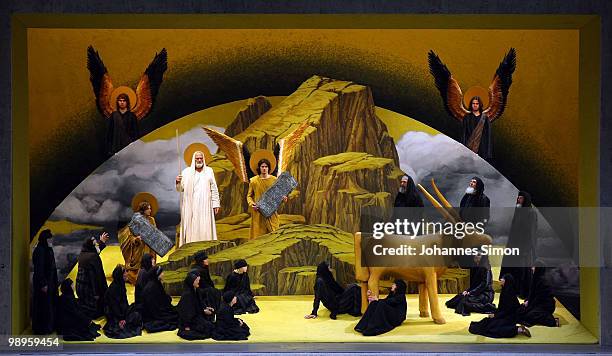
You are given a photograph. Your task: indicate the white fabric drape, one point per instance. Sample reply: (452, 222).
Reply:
(200, 197)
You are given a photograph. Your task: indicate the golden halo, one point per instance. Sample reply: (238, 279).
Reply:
(148, 197)
(123, 90)
(261, 154)
(476, 91)
(193, 148)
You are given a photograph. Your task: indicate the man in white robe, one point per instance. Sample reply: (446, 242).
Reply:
(200, 201)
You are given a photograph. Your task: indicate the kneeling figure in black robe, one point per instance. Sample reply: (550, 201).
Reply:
(539, 307)
(121, 321)
(384, 315)
(228, 327)
(72, 323)
(478, 298)
(239, 284)
(503, 322)
(194, 320)
(158, 313)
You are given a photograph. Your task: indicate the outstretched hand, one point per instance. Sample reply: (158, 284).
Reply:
(104, 237)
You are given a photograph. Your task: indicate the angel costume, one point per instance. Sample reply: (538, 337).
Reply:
(260, 225)
(200, 198)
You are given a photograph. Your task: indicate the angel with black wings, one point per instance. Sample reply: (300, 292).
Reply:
(259, 169)
(483, 107)
(122, 106)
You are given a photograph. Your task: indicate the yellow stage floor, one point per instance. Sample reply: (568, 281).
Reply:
(281, 319)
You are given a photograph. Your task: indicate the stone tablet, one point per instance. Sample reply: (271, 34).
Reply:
(272, 198)
(151, 235)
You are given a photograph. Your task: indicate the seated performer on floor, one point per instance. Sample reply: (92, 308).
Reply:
(228, 327)
(386, 314)
(146, 265)
(335, 298)
(210, 295)
(72, 323)
(133, 247)
(503, 322)
(478, 298)
(239, 284)
(91, 280)
(122, 322)
(539, 307)
(195, 320)
(158, 313)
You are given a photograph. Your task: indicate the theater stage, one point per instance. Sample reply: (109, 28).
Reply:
(281, 319)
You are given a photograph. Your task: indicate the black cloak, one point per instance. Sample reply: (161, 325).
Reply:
(193, 324)
(146, 265)
(540, 303)
(469, 123)
(408, 199)
(240, 285)
(72, 323)
(118, 310)
(503, 323)
(522, 236)
(335, 298)
(475, 207)
(158, 313)
(45, 275)
(384, 315)
(122, 130)
(210, 296)
(91, 280)
(481, 294)
(228, 327)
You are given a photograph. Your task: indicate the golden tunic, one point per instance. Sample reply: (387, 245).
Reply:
(260, 225)
(132, 250)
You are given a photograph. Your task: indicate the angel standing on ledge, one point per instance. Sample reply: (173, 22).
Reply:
(259, 170)
(122, 106)
(475, 116)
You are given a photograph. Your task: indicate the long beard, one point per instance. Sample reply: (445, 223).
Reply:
(470, 190)
(402, 189)
(199, 165)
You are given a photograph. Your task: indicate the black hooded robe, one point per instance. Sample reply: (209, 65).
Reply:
(122, 130)
(475, 207)
(228, 327)
(503, 323)
(404, 201)
(141, 280)
(335, 298)
(158, 313)
(384, 315)
(117, 309)
(43, 303)
(522, 236)
(480, 299)
(469, 123)
(191, 313)
(541, 303)
(91, 281)
(72, 323)
(210, 296)
(239, 284)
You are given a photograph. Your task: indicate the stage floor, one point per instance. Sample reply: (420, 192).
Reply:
(281, 320)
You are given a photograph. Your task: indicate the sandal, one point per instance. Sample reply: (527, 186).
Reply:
(524, 331)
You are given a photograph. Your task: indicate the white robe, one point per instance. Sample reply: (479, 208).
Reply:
(200, 197)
